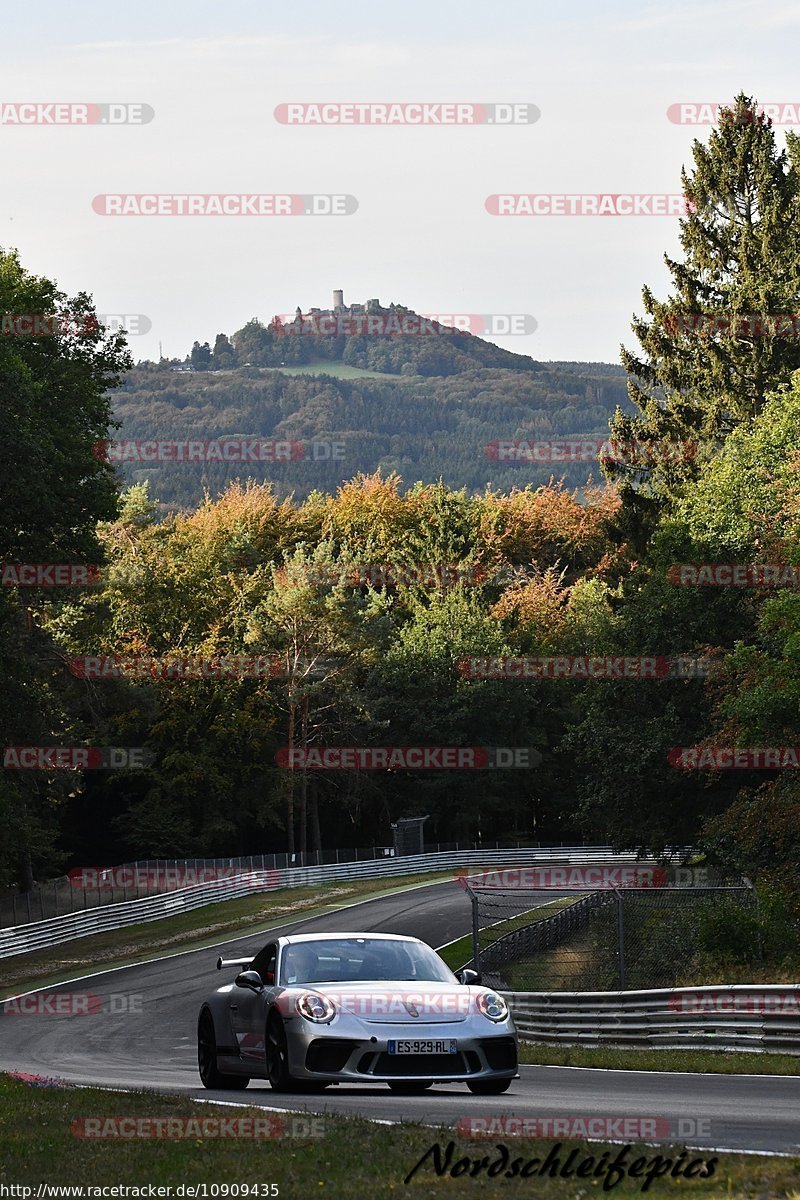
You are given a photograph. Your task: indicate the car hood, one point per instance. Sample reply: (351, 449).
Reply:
(393, 1002)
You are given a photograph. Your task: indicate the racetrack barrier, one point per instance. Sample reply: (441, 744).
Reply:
(37, 935)
(753, 1018)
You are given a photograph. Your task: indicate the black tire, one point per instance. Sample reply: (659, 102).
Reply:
(277, 1054)
(210, 1074)
(410, 1086)
(490, 1087)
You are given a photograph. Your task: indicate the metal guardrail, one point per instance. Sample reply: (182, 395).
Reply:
(746, 1017)
(37, 935)
(41, 935)
(93, 886)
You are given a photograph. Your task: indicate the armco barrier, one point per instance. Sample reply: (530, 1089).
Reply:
(37, 935)
(755, 1018)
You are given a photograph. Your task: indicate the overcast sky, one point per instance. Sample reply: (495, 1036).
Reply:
(603, 77)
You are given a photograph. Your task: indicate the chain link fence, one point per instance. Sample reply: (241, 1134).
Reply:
(612, 938)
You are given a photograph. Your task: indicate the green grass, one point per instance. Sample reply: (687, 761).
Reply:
(457, 954)
(206, 926)
(338, 370)
(700, 1061)
(352, 1159)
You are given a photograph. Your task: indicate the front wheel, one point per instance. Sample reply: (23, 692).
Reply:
(278, 1056)
(210, 1074)
(409, 1087)
(489, 1087)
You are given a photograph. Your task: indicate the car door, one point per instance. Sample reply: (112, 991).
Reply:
(248, 1007)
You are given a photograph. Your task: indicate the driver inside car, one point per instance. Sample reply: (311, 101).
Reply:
(300, 964)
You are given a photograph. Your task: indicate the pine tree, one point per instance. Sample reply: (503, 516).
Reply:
(712, 352)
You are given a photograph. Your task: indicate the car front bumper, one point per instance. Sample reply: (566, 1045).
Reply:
(319, 1052)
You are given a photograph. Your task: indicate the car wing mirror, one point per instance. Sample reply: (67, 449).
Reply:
(251, 980)
(468, 976)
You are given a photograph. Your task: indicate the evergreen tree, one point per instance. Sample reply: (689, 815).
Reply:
(201, 356)
(713, 350)
(224, 353)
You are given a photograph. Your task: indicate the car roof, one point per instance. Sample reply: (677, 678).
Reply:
(299, 938)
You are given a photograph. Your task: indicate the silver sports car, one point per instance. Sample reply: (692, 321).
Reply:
(317, 1009)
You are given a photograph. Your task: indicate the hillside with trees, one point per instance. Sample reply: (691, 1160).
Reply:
(424, 427)
(375, 658)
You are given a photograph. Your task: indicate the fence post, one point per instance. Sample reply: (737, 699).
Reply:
(476, 946)
(620, 940)
(759, 947)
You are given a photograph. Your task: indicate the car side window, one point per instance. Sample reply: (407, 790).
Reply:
(264, 963)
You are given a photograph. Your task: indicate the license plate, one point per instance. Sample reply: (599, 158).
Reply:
(428, 1046)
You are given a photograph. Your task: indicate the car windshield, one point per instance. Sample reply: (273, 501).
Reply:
(350, 960)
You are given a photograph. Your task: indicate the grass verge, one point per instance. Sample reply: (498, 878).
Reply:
(348, 1158)
(460, 952)
(191, 931)
(700, 1061)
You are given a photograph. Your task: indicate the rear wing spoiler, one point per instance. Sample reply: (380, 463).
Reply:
(233, 962)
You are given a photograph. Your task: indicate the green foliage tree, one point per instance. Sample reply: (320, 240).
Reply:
(55, 413)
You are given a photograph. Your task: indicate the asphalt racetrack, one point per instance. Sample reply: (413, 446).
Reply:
(154, 1046)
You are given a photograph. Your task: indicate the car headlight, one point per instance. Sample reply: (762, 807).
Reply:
(492, 1006)
(314, 1007)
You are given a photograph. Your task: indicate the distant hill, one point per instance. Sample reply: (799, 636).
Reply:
(426, 406)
